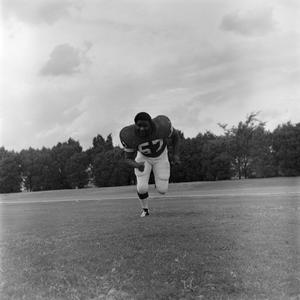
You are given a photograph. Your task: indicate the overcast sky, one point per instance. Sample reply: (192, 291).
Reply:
(78, 68)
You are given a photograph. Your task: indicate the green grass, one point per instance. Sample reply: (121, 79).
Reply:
(219, 245)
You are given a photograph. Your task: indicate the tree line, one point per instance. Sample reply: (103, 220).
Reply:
(247, 150)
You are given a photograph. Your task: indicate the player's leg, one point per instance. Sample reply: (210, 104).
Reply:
(161, 171)
(142, 179)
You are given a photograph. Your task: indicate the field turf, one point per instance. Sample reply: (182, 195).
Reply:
(205, 240)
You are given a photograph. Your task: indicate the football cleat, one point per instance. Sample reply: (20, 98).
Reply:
(145, 213)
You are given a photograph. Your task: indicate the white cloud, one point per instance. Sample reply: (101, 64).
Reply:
(164, 57)
(64, 60)
(255, 22)
(38, 11)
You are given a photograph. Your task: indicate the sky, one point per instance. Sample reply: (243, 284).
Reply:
(78, 68)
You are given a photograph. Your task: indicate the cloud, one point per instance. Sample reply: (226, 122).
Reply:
(65, 60)
(36, 11)
(146, 56)
(254, 22)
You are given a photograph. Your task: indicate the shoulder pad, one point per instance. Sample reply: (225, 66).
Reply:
(127, 138)
(164, 124)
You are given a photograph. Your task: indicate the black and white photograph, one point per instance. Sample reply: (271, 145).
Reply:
(149, 150)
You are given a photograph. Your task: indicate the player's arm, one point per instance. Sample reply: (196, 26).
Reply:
(130, 161)
(130, 154)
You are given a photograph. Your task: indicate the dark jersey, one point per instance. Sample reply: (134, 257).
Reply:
(151, 146)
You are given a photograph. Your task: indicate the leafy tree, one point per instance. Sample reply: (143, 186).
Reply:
(49, 170)
(3, 153)
(239, 143)
(100, 145)
(286, 147)
(29, 168)
(76, 170)
(216, 160)
(102, 168)
(121, 174)
(62, 152)
(244, 150)
(203, 158)
(10, 172)
(190, 150)
(262, 163)
(39, 169)
(109, 169)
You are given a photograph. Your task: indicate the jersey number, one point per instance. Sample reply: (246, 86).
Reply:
(151, 147)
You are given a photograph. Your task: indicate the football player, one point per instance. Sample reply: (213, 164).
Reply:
(145, 146)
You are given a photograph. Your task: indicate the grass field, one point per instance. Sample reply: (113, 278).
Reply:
(205, 240)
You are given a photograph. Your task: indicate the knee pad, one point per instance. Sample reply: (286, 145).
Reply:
(143, 196)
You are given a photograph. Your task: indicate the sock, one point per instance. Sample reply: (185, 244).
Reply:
(144, 200)
(144, 203)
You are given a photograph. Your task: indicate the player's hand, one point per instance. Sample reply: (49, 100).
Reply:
(176, 160)
(140, 166)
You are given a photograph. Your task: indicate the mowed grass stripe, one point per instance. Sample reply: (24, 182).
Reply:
(242, 247)
(208, 195)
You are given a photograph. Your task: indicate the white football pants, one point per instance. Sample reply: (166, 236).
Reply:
(161, 170)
